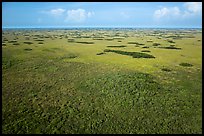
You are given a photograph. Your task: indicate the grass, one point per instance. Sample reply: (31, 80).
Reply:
(133, 54)
(62, 89)
(8, 62)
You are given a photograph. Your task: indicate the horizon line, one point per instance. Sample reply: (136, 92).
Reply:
(8, 27)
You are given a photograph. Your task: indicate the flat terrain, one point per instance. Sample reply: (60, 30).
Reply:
(139, 81)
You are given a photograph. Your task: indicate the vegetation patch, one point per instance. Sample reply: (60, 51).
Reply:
(109, 39)
(132, 42)
(28, 42)
(145, 51)
(8, 62)
(66, 93)
(186, 64)
(145, 47)
(12, 41)
(166, 69)
(136, 43)
(170, 41)
(133, 54)
(27, 49)
(40, 43)
(86, 42)
(174, 37)
(170, 47)
(118, 38)
(48, 50)
(5, 40)
(71, 40)
(40, 40)
(101, 53)
(156, 44)
(119, 46)
(16, 44)
(123, 83)
(67, 56)
(97, 38)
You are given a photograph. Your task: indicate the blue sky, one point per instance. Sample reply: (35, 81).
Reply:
(100, 14)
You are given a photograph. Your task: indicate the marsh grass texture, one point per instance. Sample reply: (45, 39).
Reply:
(62, 87)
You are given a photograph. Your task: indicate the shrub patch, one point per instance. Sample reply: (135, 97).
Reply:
(186, 64)
(133, 54)
(118, 46)
(101, 53)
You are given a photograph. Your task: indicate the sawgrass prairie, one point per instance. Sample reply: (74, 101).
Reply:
(65, 81)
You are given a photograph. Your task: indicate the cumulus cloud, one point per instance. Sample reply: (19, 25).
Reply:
(194, 7)
(190, 9)
(78, 15)
(57, 12)
(89, 14)
(161, 12)
(167, 12)
(74, 16)
(54, 12)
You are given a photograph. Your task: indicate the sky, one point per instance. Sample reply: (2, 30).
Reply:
(102, 14)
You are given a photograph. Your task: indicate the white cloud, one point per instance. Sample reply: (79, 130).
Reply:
(89, 14)
(161, 12)
(57, 12)
(193, 7)
(78, 15)
(167, 12)
(176, 11)
(190, 9)
(54, 12)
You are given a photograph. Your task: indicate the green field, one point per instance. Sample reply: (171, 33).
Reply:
(140, 81)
